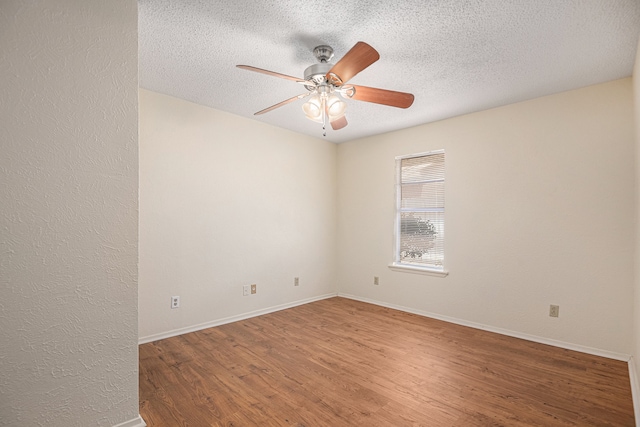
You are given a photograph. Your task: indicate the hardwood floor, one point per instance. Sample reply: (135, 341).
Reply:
(339, 362)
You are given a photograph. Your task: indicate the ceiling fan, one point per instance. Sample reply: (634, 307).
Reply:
(324, 81)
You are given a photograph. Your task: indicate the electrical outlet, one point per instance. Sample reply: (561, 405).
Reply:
(175, 302)
(245, 290)
(253, 289)
(376, 280)
(296, 281)
(554, 310)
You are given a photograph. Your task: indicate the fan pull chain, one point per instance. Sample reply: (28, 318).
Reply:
(324, 115)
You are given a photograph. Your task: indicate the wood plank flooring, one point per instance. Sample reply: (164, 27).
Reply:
(339, 362)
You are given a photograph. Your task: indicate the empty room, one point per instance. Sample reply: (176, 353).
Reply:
(310, 214)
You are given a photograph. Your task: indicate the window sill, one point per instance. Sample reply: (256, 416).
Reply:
(404, 268)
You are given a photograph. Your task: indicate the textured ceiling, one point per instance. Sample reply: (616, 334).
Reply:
(455, 56)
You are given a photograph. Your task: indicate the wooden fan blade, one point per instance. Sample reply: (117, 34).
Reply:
(383, 96)
(357, 59)
(280, 104)
(338, 124)
(271, 73)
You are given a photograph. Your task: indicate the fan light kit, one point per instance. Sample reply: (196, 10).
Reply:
(324, 82)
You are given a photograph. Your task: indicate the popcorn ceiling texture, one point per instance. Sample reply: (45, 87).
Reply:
(455, 56)
(68, 213)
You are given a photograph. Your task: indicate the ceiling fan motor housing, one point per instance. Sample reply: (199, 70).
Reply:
(317, 73)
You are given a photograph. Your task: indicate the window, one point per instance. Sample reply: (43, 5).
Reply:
(420, 213)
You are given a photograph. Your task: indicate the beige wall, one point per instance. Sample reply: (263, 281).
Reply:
(68, 213)
(226, 201)
(538, 211)
(636, 319)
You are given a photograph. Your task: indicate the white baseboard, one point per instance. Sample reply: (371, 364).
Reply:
(635, 388)
(186, 330)
(136, 422)
(534, 338)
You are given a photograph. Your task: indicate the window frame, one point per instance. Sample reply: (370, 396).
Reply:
(397, 265)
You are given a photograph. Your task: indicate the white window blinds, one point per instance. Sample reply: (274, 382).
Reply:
(420, 211)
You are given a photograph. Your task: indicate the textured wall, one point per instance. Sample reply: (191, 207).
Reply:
(539, 211)
(227, 201)
(68, 213)
(636, 317)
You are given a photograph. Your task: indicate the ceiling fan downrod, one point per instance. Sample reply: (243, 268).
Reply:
(323, 53)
